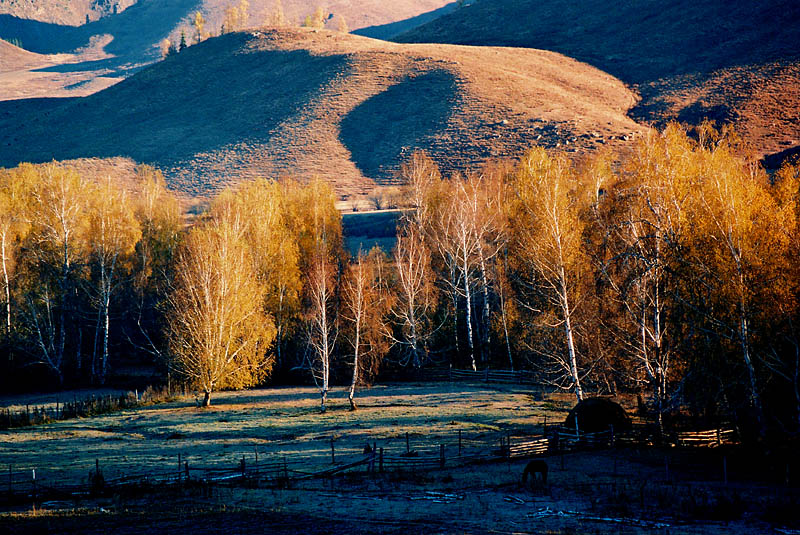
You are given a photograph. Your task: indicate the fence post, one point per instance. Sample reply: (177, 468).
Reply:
(242, 466)
(441, 455)
(487, 375)
(333, 453)
(11, 481)
(186, 467)
(380, 462)
(33, 474)
(719, 437)
(179, 468)
(408, 444)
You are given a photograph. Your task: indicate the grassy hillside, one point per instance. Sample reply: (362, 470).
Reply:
(123, 35)
(346, 108)
(726, 60)
(66, 12)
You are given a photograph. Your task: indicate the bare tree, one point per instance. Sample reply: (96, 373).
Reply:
(322, 328)
(364, 307)
(415, 296)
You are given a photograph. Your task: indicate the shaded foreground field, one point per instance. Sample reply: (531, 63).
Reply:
(629, 490)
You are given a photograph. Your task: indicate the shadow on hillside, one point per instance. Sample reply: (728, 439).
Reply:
(384, 130)
(136, 30)
(393, 29)
(199, 101)
(634, 41)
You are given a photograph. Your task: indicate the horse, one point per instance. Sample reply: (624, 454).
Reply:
(535, 469)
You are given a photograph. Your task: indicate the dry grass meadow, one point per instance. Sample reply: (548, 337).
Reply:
(611, 491)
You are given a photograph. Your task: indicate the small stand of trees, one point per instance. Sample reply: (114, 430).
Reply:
(670, 271)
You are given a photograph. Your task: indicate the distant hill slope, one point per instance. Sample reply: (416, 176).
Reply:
(736, 60)
(66, 12)
(13, 58)
(346, 108)
(123, 35)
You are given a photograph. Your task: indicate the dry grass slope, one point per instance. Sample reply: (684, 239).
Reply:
(346, 108)
(86, 57)
(736, 61)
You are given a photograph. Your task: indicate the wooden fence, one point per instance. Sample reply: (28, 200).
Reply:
(396, 456)
(710, 438)
(493, 376)
(79, 408)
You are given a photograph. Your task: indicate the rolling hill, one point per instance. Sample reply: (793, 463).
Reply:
(95, 43)
(343, 107)
(735, 61)
(65, 12)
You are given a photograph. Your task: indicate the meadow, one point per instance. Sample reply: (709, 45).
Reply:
(621, 490)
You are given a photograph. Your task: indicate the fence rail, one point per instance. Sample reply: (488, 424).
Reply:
(458, 450)
(493, 376)
(710, 438)
(78, 408)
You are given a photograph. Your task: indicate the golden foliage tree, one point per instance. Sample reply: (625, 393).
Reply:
(199, 24)
(219, 336)
(13, 228)
(545, 217)
(263, 207)
(277, 18)
(58, 213)
(316, 20)
(645, 218)
(739, 243)
(236, 17)
(112, 236)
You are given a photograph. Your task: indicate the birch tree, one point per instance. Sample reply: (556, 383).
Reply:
(645, 216)
(218, 334)
(738, 244)
(13, 228)
(322, 328)
(548, 230)
(364, 306)
(113, 234)
(58, 254)
(415, 297)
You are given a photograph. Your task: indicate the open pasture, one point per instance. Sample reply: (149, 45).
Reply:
(628, 490)
(280, 422)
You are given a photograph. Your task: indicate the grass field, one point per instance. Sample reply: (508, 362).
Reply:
(612, 491)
